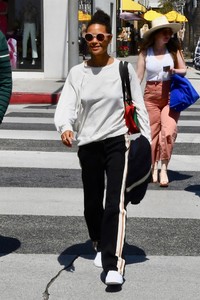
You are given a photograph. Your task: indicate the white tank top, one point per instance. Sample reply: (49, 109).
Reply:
(154, 66)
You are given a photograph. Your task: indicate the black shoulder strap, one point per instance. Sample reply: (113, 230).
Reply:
(122, 75)
(128, 87)
(123, 68)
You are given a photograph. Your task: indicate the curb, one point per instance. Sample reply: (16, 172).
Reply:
(34, 98)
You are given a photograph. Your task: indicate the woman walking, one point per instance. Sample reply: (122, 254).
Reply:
(92, 99)
(160, 56)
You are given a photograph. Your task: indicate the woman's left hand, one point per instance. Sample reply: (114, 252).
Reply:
(172, 71)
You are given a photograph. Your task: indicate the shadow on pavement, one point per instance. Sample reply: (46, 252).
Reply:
(177, 176)
(8, 245)
(85, 250)
(67, 258)
(194, 189)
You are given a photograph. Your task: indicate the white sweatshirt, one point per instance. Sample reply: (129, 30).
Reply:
(91, 103)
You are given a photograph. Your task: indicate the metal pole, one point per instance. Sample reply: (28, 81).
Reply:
(73, 47)
(120, 9)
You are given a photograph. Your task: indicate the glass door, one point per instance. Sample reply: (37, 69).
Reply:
(24, 34)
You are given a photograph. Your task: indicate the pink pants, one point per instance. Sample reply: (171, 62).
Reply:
(163, 121)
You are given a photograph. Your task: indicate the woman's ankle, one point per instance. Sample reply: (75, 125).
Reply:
(164, 164)
(155, 172)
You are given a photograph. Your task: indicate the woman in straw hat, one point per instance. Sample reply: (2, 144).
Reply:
(160, 56)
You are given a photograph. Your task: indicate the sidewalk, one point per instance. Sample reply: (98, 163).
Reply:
(41, 277)
(39, 91)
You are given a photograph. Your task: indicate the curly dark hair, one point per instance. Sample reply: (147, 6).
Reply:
(100, 17)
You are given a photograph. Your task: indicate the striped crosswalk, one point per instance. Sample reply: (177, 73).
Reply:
(41, 207)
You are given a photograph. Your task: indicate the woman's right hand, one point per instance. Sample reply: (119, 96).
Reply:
(67, 138)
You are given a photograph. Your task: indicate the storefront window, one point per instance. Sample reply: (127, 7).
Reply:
(22, 28)
(84, 16)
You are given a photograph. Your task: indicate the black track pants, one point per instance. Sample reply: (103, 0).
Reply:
(104, 163)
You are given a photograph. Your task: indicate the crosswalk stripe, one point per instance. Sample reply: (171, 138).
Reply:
(32, 135)
(65, 160)
(31, 120)
(69, 202)
(191, 138)
(190, 113)
(28, 120)
(32, 159)
(156, 275)
(188, 123)
(55, 136)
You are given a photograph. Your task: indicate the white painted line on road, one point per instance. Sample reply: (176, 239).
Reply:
(29, 273)
(28, 120)
(161, 203)
(185, 163)
(188, 123)
(192, 138)
(21, 120)
(167, 204)
(66, 160)
(21, 107)
(51, 109)
(190, 113)
(41, 201)
(16, 107)
(33, 159)
(31, 110)
(30, 135)
(55, 136)
(150, 277)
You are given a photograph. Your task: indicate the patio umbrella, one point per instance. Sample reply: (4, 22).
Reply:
(171, 16)
(151, 14)
(174, 16)
(128, 16)
(181, 18)
(129, 5)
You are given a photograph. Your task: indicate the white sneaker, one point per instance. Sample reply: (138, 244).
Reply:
(114, 278)
(97, 260)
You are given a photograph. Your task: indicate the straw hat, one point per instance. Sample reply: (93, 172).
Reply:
(159, 23)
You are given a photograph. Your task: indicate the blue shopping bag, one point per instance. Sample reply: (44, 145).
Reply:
(182, 93)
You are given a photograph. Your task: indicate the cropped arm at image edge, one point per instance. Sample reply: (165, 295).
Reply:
(5, 78)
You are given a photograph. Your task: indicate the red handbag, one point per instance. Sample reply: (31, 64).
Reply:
(129, 108)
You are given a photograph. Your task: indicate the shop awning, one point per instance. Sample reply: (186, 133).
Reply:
(174, 16)
(129, 5)
(151, 14)
(171, 16)
(83, 17)
(181, 18)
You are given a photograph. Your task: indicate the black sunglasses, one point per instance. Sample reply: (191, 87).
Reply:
(100, 36)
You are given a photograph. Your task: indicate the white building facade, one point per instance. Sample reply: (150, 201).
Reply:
(56, 35)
